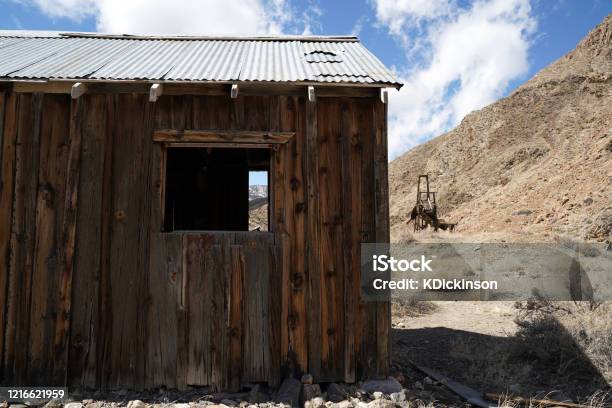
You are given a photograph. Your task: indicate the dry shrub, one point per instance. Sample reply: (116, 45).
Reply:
(570, 341)
(402, 307)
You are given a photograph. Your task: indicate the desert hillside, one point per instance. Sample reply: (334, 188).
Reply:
(535, 165)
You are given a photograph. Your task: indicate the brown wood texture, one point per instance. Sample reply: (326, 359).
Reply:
(96, 295)
(221, 136)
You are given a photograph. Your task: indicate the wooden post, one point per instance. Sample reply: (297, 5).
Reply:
(384, 95)
(155, 92)
(77, 90)
(311, 94)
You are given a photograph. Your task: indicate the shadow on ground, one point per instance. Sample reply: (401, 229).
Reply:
(538, 360)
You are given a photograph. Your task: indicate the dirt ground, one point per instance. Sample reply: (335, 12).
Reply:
(523, 349)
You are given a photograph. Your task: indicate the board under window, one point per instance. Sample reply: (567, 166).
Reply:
(216, 189)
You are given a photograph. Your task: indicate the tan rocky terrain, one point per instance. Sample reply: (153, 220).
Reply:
(535, 165)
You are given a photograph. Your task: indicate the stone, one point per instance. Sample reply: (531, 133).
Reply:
(54, 403)
(307, 379)
(256, 396)
(381, 403)
(136, 404)
(228, 402)
(343, 404)
(388, 386)
(180, 405)
(377, 395)
(311, 391)
(73, 405)
(87, 401)
(398, 396)
(419, 385)
(317, 402)
(335, 393)
(289, 392)
(427, 380)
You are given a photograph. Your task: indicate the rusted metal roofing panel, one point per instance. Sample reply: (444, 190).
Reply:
(79, 56)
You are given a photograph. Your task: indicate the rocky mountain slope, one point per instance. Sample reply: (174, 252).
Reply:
(535, 165)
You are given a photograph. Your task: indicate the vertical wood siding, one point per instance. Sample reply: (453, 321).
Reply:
(93, 293)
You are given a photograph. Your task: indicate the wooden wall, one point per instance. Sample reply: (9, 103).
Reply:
(93, 293)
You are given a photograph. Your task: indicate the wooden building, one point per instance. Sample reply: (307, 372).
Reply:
(125, 255)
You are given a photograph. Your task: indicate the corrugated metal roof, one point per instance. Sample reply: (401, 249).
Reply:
(88, 56)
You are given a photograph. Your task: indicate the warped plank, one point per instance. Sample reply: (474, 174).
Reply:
(221, 136)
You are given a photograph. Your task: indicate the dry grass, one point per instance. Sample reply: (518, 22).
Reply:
(571, 341)
(402, 308)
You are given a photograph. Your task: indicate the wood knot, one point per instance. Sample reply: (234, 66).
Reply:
(120, 215)
(47, 194)
(298, 280)
(331, 331)
(292, 319)
(300, 207)
(295, 184)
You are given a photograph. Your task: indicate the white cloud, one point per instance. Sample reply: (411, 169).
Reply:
(468, 57)
(195, 17)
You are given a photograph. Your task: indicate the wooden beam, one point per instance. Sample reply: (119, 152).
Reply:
(155, 92)
(224, 145)
(234, 91)
(311, 94)
(384, 95)
(77, 90)
(213, 89)
(218, 136)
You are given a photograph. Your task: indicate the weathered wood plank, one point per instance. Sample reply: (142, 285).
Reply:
(353, 295)
(129, 240)
(164, 290)
(348, 244)
(23, 233)
(45, 355)
(221, 136)
(219, 308)
(256, 288)
(312, 246)
(331, 239)
(104, 318)
(294, 340)
(274, 315)
(201, 260)
(85, 326)
(367, 359)
(7, 172)
(236, 317)
(383, 318)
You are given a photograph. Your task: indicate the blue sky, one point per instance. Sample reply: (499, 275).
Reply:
(454, 56)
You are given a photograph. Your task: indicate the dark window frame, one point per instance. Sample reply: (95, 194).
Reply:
(271, 147)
